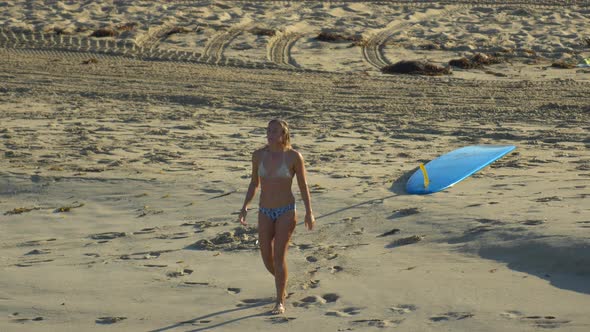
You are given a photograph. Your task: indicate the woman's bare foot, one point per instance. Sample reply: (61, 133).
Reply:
(279, 309)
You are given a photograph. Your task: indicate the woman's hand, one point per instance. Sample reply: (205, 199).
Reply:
(242, 217)
(309, 221)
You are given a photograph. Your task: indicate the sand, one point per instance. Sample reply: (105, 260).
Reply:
(125, 158)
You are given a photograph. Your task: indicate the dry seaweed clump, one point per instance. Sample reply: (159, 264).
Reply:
(104, 32)
(177, 30)
(327, 36)
(414, 67)
(462, 63)
(564, 64)
(477, 61)
(68, 208)
(262, 32)
(59, 31)
(19, 211)
(241, 238)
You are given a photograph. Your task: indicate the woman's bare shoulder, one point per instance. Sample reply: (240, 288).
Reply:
(295, 154)
(258, 152)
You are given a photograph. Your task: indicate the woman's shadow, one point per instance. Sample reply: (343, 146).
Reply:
(258, 303)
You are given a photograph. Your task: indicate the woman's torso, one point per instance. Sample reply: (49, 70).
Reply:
(275, 171)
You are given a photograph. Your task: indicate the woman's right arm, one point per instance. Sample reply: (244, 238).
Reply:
(254, 182)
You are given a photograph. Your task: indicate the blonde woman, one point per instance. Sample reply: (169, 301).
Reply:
(273, 168)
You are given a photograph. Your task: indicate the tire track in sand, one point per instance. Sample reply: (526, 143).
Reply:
(54, 42)
(372, 48)
(154, 35)
(279, 49)
(215, 47)
(83, 47)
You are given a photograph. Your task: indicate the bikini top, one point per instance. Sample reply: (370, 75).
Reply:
(281, 172)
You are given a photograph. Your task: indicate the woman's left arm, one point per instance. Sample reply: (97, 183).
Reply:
(304, 189)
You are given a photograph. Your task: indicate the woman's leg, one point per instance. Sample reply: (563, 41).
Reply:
(266, 233)
(284, 227)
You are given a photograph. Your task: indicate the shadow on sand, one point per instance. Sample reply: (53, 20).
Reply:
(398, 188)
(399, 185)
(562, 261)
(258, 303)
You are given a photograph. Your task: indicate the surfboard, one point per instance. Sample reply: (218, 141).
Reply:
(453, 167)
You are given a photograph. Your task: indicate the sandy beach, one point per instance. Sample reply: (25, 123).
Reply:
(126, 133)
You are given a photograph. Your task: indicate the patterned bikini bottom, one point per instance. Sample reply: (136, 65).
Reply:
(275, 213)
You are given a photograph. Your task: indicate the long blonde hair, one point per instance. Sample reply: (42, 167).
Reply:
(286, 134)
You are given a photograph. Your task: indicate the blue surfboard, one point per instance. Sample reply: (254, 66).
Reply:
(453, 167)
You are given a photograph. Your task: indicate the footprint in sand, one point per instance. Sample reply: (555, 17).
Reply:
(403, 308)
(311, 259)
(107, 235)
(474, 205)
(109, 320)
(311, 284)
(548, 199)
(145, 255)
(451, 316)
(391, 232)
(280, 319)
(533, 222)
(512, 314)
(487, 221)
(149, 255)
(241, 238)
(313, 271)
(304, 246)
(36, 242)
(404, 212)
(196, 283)
(547, 322)
(346, 312)
(478, 230)
(145, 231)
(312, 300)
(31, 262)
(38, 252)
(252, 302)
(200, 225)
(233, 290)
(22, 320)
(195, 322)
(330, 297)
(179, 273)
(405, 241)
(336, 269)
(315, 300)
(381, 323)
(174, 236)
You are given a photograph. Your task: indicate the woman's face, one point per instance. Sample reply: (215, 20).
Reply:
(274, 133)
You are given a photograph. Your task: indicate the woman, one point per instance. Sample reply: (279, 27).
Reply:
(273, 167)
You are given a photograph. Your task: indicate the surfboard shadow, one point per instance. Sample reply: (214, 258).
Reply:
(562, 261)
(399, 185)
